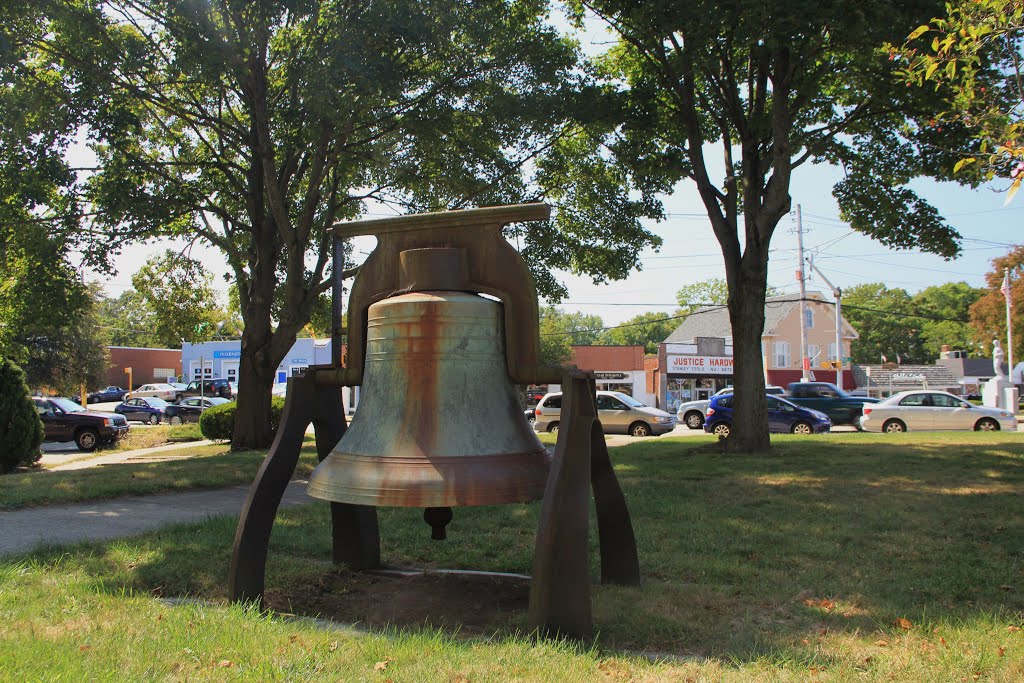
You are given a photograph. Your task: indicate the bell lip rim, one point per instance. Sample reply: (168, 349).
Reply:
(544, 454)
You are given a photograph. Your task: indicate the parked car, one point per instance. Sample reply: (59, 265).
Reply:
(162, 391)
(207, 387)
(691, 413)
(784, 417)
(619, 414)
(65, 420)
(234, 389)
(842, 408)
(933, 410)
(279, 389)
(106, 395)
(190, 409)
(148, 409)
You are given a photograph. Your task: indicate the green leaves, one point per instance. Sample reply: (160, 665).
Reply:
(971, 62)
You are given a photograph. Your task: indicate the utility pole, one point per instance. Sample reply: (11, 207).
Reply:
(838, 294)
(805, 363)
(1009, 326)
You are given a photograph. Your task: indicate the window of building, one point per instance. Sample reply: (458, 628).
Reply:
(808, 318)
(813, 351)
(164, 373)
(782, 354)
(832, 352)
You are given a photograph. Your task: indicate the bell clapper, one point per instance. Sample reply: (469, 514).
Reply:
(438, 519)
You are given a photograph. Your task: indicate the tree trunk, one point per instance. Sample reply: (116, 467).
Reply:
(255, 379)
(748, 282)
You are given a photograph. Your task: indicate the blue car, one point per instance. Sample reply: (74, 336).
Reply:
(147, 409)
(783, 417)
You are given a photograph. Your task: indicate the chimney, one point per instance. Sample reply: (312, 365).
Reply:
(946, 351)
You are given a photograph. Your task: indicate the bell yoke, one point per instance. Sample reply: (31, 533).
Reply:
(439, 423)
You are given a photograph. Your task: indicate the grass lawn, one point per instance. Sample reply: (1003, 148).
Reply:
(146, 437)
(844, 557)
(211, 466)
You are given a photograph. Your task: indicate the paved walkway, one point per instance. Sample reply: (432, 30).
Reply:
(60, 460)
(25, 530)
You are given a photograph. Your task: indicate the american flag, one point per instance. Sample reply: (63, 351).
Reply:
(1005, 289)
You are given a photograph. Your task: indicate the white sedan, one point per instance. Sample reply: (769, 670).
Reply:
(164, 391)
(932, 410)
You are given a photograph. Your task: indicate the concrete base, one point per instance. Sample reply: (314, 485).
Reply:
(993, 394)
(1011, 397)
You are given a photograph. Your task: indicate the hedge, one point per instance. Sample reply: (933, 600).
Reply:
(219, 422)
(21, 430)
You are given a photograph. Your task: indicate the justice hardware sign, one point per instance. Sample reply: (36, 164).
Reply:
(699, 365)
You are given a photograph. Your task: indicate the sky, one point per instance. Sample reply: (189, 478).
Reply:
(690, 252)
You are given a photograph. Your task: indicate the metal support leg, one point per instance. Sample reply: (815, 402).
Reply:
(249, 556)
(355, 537)
(560, 592)
(354, 531)
(619, 561)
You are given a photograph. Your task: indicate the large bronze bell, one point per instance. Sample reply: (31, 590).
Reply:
(439, 423)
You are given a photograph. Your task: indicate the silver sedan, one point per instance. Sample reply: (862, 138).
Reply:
(932, 410)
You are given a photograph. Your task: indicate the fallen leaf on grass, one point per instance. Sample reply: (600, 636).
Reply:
(380, 666)
(1013, 628)
(334, 646)
(1002, 651)
(903, 624)
(225, 663)
(882, 643)
(83, 648)
(823, 603)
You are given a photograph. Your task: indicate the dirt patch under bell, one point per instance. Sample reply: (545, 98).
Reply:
(469, 603)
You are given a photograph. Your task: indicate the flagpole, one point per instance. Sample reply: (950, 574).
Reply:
(1009, 324)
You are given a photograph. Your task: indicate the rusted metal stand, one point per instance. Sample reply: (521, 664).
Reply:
(560, 602)
(355, 537)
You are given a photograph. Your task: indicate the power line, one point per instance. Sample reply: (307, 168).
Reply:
(710, 308)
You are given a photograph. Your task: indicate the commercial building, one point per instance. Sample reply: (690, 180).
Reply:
(615, 368)
(881, 381)
(148, 365)
(696, 360)
(221, 359)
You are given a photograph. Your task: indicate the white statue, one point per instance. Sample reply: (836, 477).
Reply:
(997, 358)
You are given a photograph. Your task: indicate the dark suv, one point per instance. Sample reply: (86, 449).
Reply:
(206, 387)
(65, 420)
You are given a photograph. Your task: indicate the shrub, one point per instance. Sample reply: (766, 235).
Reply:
(219, 422)
(21, 430)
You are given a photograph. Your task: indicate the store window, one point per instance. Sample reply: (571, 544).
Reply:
(678, 391)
